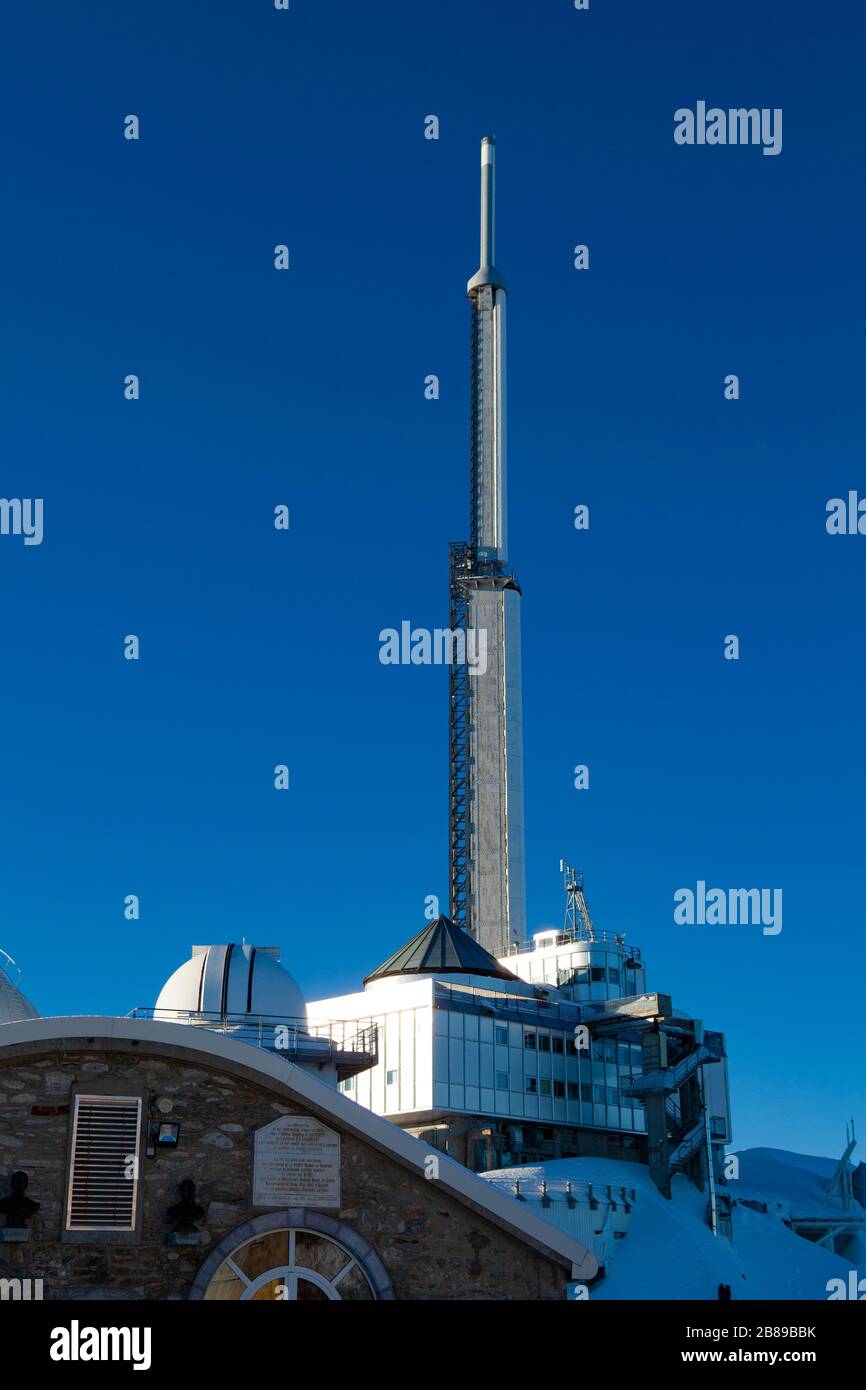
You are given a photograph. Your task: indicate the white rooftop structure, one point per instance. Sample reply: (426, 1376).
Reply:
(243, 991)
(14, 1006)
(232, 979)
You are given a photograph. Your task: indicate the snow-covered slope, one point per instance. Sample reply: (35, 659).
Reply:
(670, 1252)
(800, 1180)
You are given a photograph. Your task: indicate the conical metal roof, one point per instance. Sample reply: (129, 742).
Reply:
(441, 948)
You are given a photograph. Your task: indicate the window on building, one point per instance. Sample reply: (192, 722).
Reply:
(581, 975)
(556, 1045)
(611, 1095)
(573, 1091)
(293, 1263)
(543, 1042)
(502, 1081)
(596, 973)
(349, 1084)
(390, 1078)
(103, 1172)
(612, 975)
(559, 1090)
(500, 1035)
(586, 1092)
(529, 1040)
(544, 1086)
(532, 1085)
(599, 1094)
(570, 1047)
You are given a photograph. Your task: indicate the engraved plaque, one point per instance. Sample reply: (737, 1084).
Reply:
(296, 1163)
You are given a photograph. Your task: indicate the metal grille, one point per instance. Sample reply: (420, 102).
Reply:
(103, 1180)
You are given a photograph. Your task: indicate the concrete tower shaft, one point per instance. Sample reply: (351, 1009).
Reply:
(494, 886)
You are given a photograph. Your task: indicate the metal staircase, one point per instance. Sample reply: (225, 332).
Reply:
(670, 1079)
(688, 1145)
(687, 1136)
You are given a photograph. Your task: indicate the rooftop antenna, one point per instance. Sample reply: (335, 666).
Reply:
(578, 922)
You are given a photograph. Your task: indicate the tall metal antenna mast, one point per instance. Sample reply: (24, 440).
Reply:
(485, 745)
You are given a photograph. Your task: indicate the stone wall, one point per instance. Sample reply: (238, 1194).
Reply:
(432, 1245)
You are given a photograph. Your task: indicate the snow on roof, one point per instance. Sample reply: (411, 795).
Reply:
(671, 1253)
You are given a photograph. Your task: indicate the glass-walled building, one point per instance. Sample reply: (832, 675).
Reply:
(449, 1046)
(586, 971)
(523, 1059)
(486, 1064)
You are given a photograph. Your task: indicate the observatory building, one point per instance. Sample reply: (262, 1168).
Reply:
(200, 1149)
(557, 1049)
(499, 1050)
(234, 1141)
(245, 993)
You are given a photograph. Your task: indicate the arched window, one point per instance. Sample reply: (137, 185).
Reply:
(278, 1259)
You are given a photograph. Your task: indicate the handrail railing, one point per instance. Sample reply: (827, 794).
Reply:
(672, 1077)
(285, 1034)
(578, 935)
(589, 1193)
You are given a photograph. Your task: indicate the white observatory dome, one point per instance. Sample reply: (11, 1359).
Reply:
(233, 979)
(15, 1007)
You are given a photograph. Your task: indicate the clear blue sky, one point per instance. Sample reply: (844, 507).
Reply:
(306, 388)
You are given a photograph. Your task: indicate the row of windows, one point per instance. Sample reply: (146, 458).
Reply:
(518, 1104)
(626, 1055)
(573, 1090)
(563, 971)
(603, 1049)
(570, 1090)
(543, 1042)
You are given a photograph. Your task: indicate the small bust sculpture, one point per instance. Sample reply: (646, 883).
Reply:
(17, 1207)
(185, 1213)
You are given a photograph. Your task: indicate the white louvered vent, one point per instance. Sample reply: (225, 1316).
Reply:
(103, 1181)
